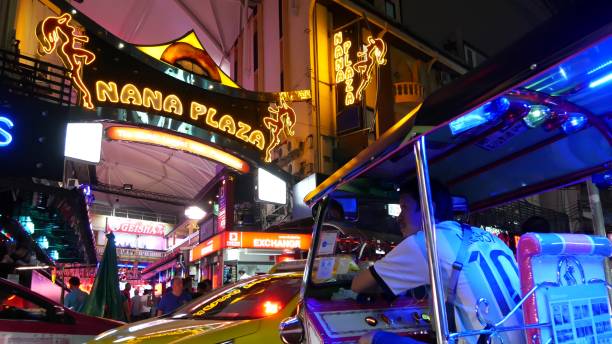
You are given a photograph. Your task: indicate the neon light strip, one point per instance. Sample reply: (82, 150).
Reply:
(601, 81)
(157, 138)
(600, 67)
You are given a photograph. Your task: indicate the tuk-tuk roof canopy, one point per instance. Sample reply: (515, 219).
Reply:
(537, 116)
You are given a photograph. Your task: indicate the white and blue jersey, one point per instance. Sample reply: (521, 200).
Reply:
(489, 271)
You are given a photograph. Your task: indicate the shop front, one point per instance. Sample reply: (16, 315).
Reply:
(231, 255)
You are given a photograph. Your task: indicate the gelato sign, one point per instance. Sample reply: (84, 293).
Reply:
(135, 226)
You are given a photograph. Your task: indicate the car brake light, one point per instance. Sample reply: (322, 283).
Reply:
(271, 307)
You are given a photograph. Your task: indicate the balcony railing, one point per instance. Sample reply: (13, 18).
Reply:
(29, 77)
(409, 92)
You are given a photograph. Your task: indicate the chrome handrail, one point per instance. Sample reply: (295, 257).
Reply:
(494, 328)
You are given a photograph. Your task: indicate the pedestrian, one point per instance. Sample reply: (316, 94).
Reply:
(76, 298)
(173, 299)
(136, 303)
(204, 287)
(242, 275)
(145, 304)
(127, 302)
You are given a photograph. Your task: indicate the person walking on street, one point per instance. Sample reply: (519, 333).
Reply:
(173, 299)
(76, 298)
(127, 302)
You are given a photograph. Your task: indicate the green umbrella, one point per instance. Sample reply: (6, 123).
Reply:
(105, 299)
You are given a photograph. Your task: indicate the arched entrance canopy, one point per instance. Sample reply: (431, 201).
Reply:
(110, 73)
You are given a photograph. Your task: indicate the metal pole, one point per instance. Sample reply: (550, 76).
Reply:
(439, 311)
(599, 226)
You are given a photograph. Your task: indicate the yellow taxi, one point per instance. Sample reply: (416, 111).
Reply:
(248, 311)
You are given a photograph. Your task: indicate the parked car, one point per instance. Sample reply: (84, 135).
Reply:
(28, 317)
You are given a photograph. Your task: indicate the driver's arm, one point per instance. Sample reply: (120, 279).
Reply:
(405, 267)
(364, 283)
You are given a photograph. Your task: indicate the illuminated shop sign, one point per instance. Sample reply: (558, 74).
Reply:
(343, 67)
(261, 240)
(50, 32)
(281, 117)
(154, 137)
(5, 131)
(372, 55)
(205, 248)
(252, 119)
(135, 226)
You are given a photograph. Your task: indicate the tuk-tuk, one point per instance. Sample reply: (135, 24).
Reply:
(535, 118)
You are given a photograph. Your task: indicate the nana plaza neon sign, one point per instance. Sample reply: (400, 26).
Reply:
(57, 33)
(281, 117)
(373, 55)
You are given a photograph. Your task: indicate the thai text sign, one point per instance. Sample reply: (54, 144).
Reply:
(135, 226)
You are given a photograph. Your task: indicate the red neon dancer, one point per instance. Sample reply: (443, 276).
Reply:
(53, 29)
(374, 54)
(282, 118)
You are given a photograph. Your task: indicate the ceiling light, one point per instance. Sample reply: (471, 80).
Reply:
(195, 213)
(128, 187)
(154, 137)
(34, 267)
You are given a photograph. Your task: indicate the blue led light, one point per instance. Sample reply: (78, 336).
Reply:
(574, 122)
(537, 115)
(5, 136)
(563, 73)
(488, 112)
(601, 81)
(603, 180)
(600, 67)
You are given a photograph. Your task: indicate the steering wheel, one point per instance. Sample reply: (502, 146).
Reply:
(346, 243)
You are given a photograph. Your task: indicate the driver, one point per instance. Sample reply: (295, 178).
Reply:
(489, 269)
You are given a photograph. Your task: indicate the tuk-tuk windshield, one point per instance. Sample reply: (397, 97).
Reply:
(358, 229)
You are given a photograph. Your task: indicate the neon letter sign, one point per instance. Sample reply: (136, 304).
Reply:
(282, 118)
(343, 66)
(5, 136)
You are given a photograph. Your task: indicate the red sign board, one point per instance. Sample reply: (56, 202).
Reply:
(277, 241)
(135, 226)
(205, 248)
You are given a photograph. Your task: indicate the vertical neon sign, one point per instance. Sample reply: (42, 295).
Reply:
(5, 136)
(343, 67)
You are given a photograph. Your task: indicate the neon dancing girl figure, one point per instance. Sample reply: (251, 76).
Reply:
(282, 118)
(50, 32)
(374, 55)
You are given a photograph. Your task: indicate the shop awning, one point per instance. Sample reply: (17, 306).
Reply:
(161, 265)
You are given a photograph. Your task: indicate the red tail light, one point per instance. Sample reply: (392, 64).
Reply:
(271, 307)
